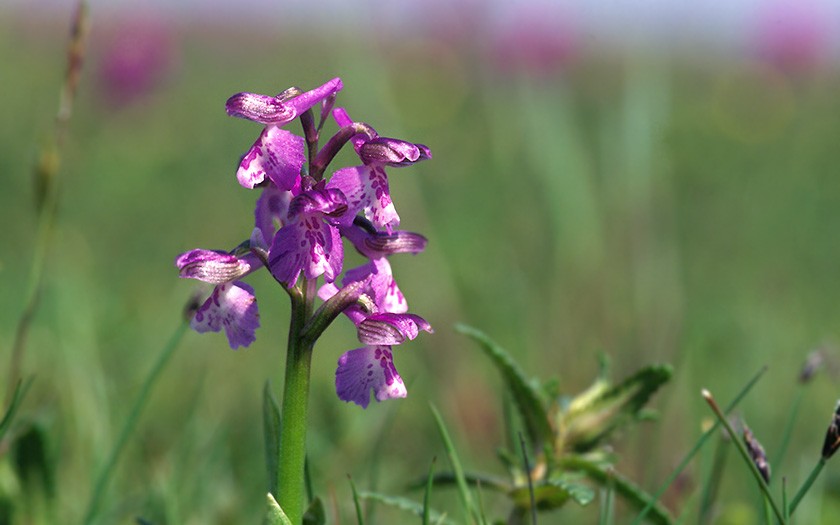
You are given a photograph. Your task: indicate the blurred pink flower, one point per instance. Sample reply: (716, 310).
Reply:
(539, 42)
(792, 34)
(139, 53)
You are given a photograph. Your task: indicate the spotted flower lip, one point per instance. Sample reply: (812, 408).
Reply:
(231, 307)
(279, 110)
(369, 368)
(307, 242)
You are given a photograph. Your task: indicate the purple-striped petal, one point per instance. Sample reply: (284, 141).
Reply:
(307, 245)
(392, 152)
(390, 328)
(364, 369)
(213, 266)
(231, 307)
(277, 154)
(281, 109)
(366, 189)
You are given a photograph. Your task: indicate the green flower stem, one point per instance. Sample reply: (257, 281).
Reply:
(806, 486)
(292, 450)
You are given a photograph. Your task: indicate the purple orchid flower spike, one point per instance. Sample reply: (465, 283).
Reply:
(366, 186)
(309, 242)
(369, 368)
(277, 154)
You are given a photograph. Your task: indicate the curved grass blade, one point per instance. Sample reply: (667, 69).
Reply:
(427, 495)
(359, 518)
(460, 478)
(271, 434)
(528, 398)
(697, 446)
(17, 397)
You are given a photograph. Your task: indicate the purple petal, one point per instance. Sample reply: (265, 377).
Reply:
(304, 101)
(271, 210)
(331, 202)
(364, 369)
(212, 266)
(391, 328)
(277, 154)
(392, 152)
(231, 307)
(383, 288)
(264, 109)
(343, 119)
(309, 245)
(380, 244)
(281, 109)
(366, 189)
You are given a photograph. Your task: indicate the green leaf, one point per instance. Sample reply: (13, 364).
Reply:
(463, 488)
(553, 494)
(275, 515)
(17, 398)
(590, 423)
(271, 434)
(407, 505)
(315, 514)
(528, 398)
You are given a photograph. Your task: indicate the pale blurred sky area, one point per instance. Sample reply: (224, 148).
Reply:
(797, 27)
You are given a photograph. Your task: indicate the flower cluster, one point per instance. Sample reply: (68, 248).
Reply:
(301, 221)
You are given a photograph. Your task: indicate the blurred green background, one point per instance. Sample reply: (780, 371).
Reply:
(652, 205)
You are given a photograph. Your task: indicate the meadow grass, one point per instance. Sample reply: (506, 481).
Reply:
(651, 208)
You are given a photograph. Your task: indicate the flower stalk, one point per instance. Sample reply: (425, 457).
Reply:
(292, 450)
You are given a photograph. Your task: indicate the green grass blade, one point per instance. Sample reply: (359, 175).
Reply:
(528, 399)
(427, 495)
(356, 503)
(131, 421)
(713, 482)
(17, 398)
(697, 446)
(463, 488)
(759, 479)
(271, 434)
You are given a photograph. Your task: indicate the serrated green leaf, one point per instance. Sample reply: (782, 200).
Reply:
(315, 514)
(271, 435)
(586, 428)
(407, 505)
(275, 514)
(527, 397)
